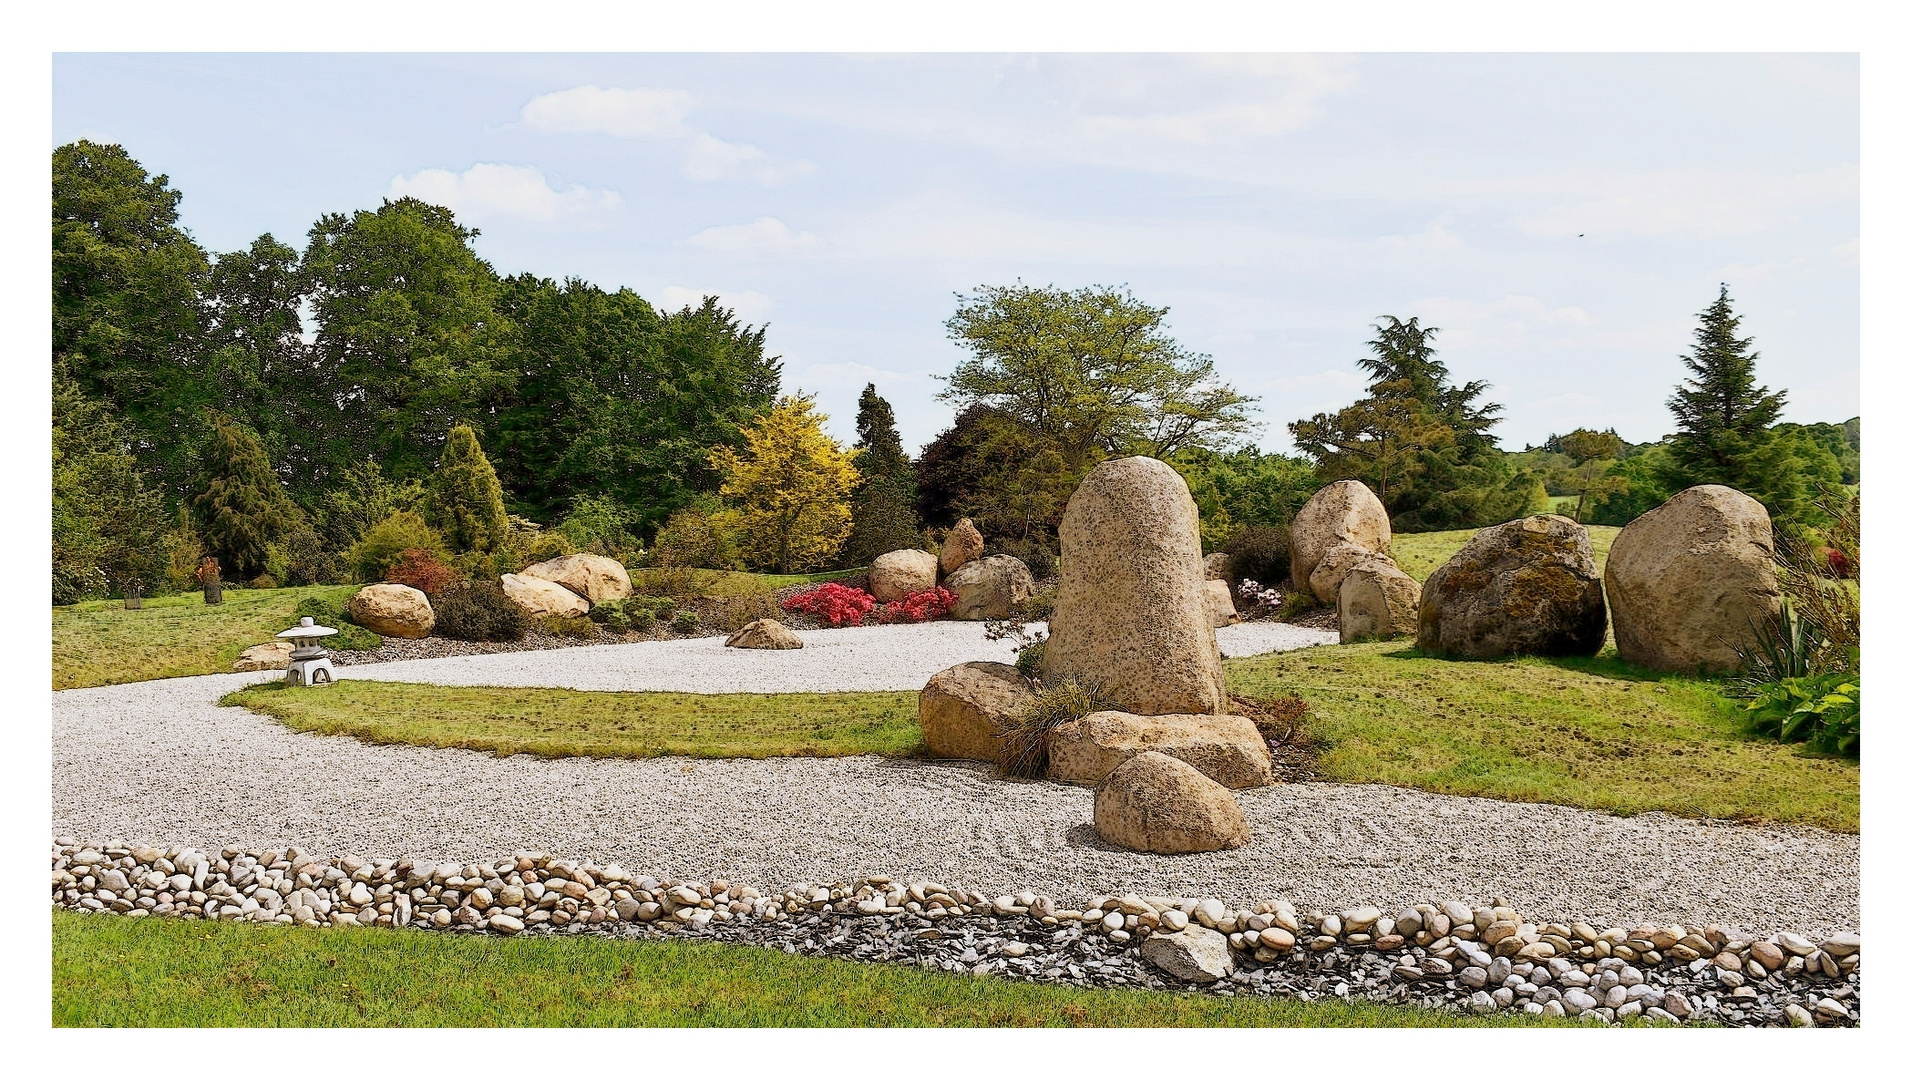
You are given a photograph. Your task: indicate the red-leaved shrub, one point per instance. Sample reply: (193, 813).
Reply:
(422, 571)
(832, 603)
(918, 606)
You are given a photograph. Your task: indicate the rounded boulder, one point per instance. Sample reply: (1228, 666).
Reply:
(593, 577)
(1131, 610)
(540, 597)
(964, 710)
(392, 611)
(896, 574)
(1345, 513)
(1226, 749)
(1526, 588)
(991, 588)
(1378, 600)
(764, 634)
(1156, 803)
(1688, 580)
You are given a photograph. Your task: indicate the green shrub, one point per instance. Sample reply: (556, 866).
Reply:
(478, 611)
(702, 535)
(1821, 711)
(684, 622)
(383, 544)
(1260, 553)
(466, 499)
(576, 626)
(1024, 749)
(599, 525)
(1039, 607)
(617, 621)
(1036, 555)
(422, 571)
(1029, 659)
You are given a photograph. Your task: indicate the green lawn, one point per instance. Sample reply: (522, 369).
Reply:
(578, 723)
(740, 583)
(1419, 554)
(120, 972)
(99, 642)
(1592, 732)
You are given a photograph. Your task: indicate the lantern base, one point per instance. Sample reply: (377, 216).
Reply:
(309, 672)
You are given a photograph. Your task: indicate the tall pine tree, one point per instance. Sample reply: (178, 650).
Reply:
(468, 505)
(1724, 418)
(242, 511)
(883, 511)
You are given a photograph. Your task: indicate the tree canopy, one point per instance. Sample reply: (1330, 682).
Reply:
(791, 484)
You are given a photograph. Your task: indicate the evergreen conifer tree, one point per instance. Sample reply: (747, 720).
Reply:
(883, 511)
(242, 510)
(1724, 418)
(468, 504)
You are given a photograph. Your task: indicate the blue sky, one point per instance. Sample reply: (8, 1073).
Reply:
(1277, 204)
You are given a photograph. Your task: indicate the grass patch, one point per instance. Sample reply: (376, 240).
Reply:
(595, 723)
(118, 972)
(723, 583)
(99, 642)
(1593, 732)
(1420, 554)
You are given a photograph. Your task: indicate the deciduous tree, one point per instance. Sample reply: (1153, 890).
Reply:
(791, 484)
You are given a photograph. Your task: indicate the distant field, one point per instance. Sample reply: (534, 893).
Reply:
(1419, 554)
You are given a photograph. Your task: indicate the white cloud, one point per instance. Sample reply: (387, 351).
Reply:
(1435, 235)
(1694, 202)
(1512, 318)
(597, 110)
(764, 236)
(711, 158)
(488, 190)
(749, 306)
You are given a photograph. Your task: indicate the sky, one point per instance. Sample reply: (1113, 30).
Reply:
(1562, 218)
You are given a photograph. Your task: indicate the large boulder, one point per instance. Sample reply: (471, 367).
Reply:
(1221, 602)
(1227, 749)
(1378, 600)
(764, 634)
(965, 710)
(1524, 588)
(989, 588)
(272, 656)
(593, 577)
(896, 574)
(392, 611)
(540, 597)
(1153, 802)
(1131, 615)
(1215, 567)
(1345, 513)
(1193, 954)
(1689, 580)
(962, 544)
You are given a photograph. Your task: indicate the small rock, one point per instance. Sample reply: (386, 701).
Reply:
(1195, 954)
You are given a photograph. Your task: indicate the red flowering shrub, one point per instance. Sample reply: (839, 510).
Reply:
(422, 571)
(832, 603)
(918, 606)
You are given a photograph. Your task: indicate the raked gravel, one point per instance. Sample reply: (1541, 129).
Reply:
(161, 762)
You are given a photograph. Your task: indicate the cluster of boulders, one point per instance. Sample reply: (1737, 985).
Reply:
(1483, 958)
(1685, 583)
(1134, 621)
(995, 587)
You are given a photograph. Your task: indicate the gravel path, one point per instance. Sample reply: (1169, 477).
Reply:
(161, 762)
(852, 658)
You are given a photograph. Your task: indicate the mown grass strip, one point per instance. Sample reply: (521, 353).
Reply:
(99, 642)
(592, 723)
(1594, 733)
(110, 971)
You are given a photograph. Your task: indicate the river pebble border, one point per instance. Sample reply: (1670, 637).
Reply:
(1451, 955)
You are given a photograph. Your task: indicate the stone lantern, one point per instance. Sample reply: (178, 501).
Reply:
(308, 666)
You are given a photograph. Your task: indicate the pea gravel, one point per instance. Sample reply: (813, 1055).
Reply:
(161, 762)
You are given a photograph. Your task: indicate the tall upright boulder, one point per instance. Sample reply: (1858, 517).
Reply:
(1526, 588)
(964, 542)
(1131, 611)
(1688, 581)
(1341, 524)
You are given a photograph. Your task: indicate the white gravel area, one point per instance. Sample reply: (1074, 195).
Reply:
(900, 657)
(161, 762)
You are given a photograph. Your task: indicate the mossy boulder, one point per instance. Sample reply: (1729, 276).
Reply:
(1526, 588)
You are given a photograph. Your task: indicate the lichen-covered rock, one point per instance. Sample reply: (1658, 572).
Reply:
(964, 710)
(392, 611)
(1343, 513)
(272, 656)
(963, 543)
(764, 634)
(1131, 613)
(1688, 581)
(593, 577)
(1221, 602)
(540, 597)
(1525, 588)
(1227, 749)
(989, 588)
(1153, 802)
(1378, 600)
(896, 574)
